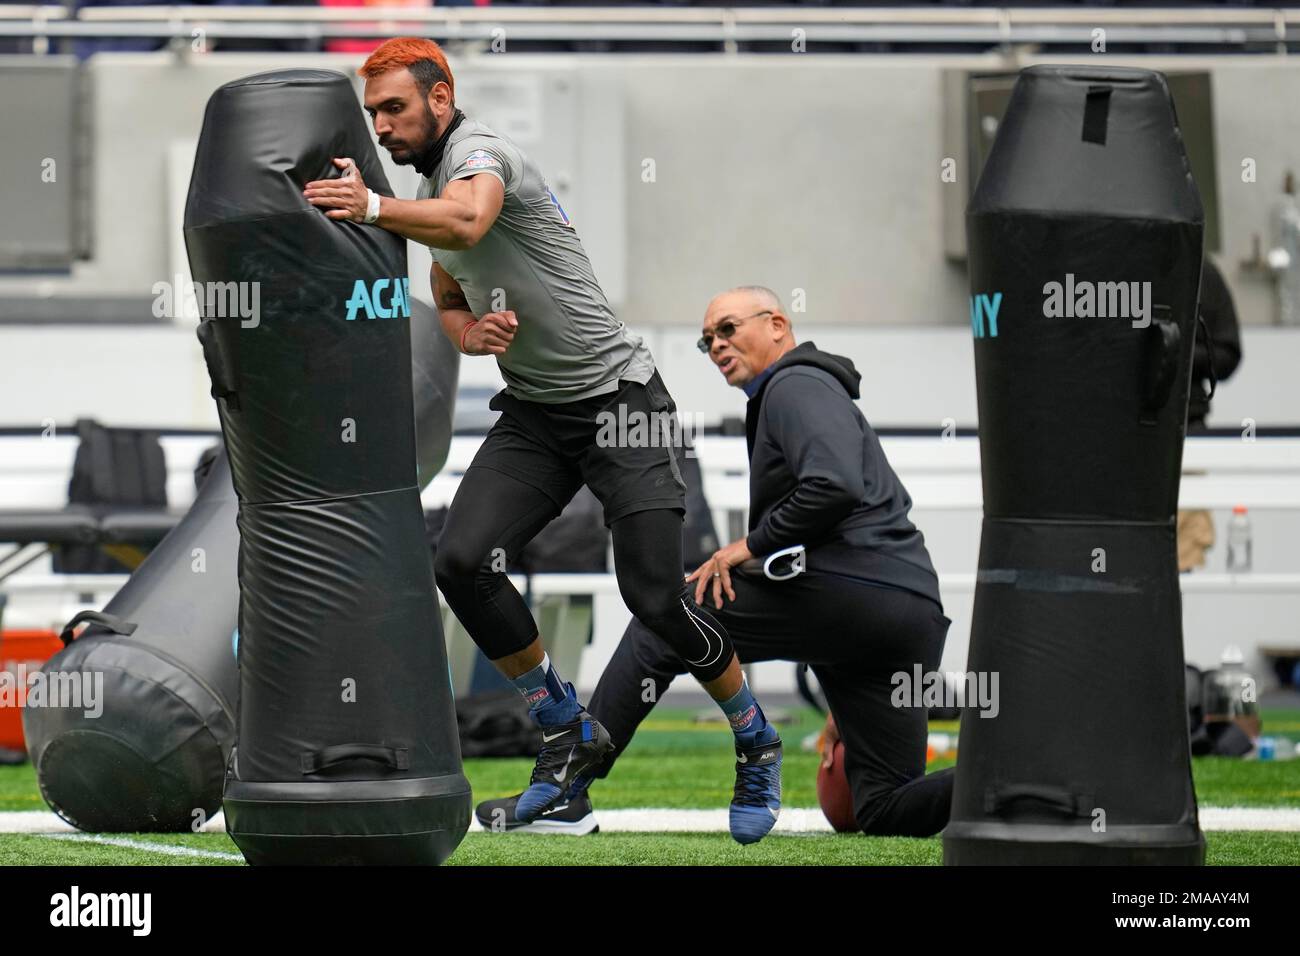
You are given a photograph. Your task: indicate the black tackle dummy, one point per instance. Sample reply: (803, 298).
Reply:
(1082, 388)
(152, 758)
(347, 747)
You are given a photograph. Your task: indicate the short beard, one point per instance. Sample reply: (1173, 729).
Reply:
(420, 158)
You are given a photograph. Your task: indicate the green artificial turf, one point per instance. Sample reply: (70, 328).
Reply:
(677, 762)
(615, 849)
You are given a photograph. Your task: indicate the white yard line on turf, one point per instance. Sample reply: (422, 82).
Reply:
(1249, 818)
(43, 821)
(811, 820)
(651, 820)
(166, 849)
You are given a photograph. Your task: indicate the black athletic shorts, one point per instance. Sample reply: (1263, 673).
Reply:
(621, 445)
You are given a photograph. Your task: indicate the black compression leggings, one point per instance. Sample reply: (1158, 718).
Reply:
(495, 515)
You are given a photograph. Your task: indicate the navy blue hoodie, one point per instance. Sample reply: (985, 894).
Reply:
(818, 477)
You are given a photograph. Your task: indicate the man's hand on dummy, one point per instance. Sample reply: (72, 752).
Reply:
(343, 198)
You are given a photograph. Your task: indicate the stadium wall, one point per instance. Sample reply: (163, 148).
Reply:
(689, 173)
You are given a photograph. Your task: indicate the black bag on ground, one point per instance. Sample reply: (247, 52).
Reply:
(114, 467)
(575, 542)
(699, 535)
(496, 724)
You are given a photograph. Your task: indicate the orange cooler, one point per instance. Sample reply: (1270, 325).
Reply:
(21, 652)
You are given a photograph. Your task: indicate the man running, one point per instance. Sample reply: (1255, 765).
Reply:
(512, 280)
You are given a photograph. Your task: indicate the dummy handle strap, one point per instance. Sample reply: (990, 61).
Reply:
(1163, 342)
(318, 760)
(220, 369)
(111, 621)
(998, 800)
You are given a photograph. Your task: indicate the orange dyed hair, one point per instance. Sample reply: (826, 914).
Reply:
(424, 58)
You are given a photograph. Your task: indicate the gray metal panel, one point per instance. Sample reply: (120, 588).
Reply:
(83, 210)
(79, 309)
(983, 99)
(571, 127)
(39, 100)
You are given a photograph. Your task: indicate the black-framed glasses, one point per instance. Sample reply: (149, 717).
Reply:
(724, 330)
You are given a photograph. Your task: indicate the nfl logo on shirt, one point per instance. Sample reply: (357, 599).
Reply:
(564, 216)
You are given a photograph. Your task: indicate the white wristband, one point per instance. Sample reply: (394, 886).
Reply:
(372, 207)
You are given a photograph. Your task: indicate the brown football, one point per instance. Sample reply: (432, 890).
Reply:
(834, 793)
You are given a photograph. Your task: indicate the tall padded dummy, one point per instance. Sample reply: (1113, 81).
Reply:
(1082, 413)
(347, 747)
(152, 757)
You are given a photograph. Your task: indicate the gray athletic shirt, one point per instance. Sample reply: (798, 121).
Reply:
(568, 345)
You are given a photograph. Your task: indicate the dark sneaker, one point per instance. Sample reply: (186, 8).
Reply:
(757, 800)
(568, 750)
(571, 816)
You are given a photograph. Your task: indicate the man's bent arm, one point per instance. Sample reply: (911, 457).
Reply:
(456, 220)
(453, 308)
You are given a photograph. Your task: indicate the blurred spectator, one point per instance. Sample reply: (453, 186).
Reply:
(84, 47)
(1195, 529)
(369, 46)
(364, 46)
(1224, 347)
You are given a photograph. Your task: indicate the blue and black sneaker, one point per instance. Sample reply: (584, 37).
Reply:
(757, 800)
(571, 816)
(568, 750)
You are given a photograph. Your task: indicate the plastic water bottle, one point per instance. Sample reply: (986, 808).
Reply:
(1239, 541)
(1283, 749)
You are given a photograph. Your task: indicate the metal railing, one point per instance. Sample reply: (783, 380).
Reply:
(712, 28)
